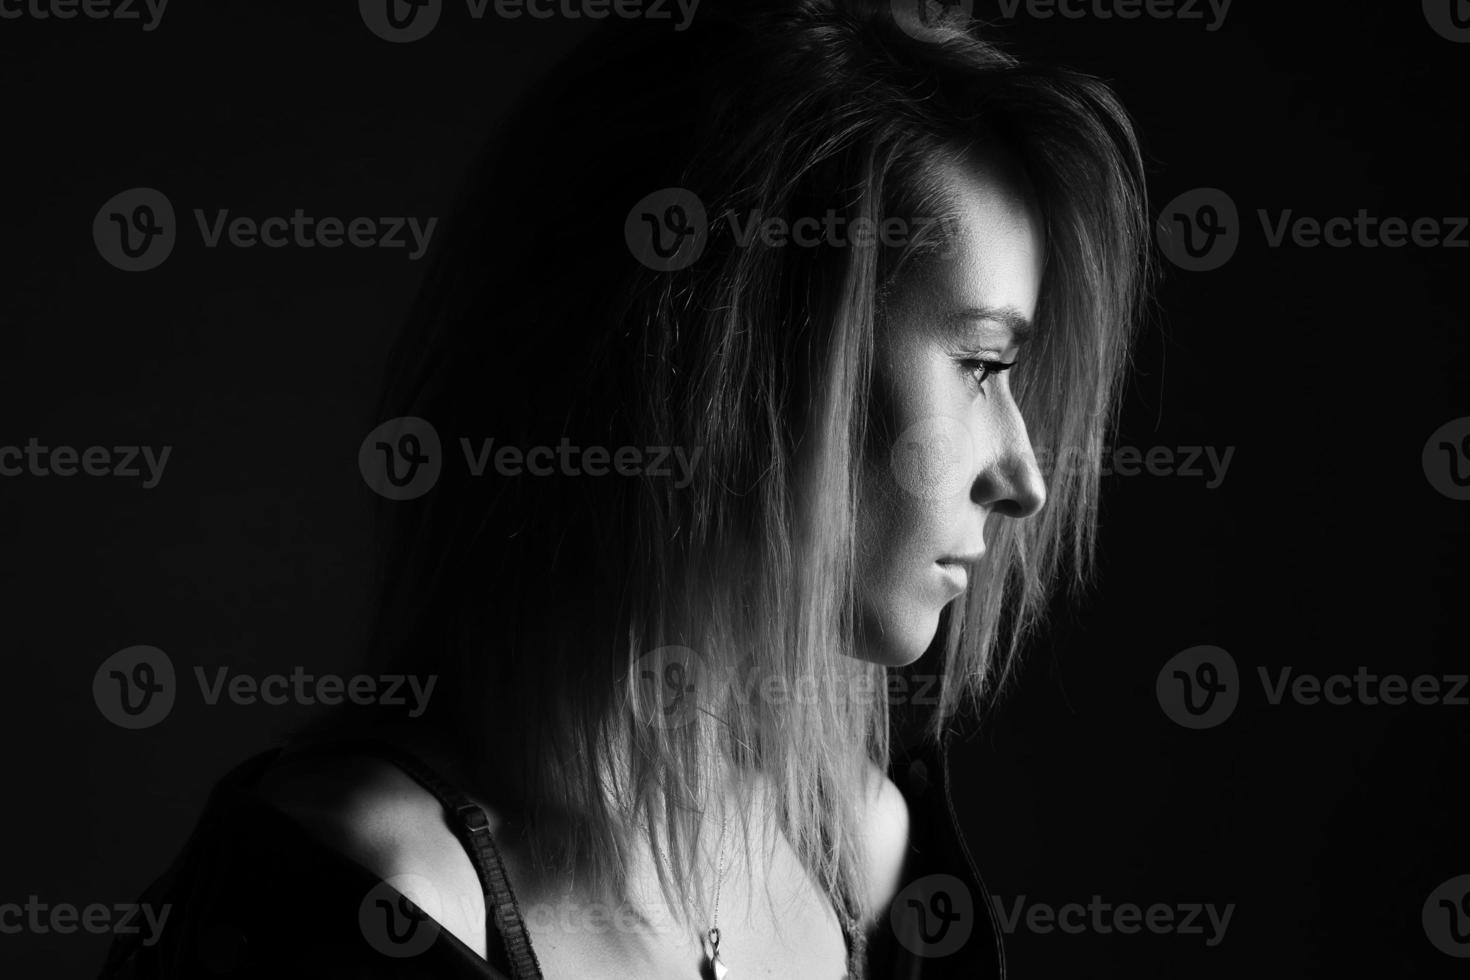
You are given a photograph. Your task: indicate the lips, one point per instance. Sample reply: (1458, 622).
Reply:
(955, 574)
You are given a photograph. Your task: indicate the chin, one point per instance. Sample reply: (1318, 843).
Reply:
(896, 639)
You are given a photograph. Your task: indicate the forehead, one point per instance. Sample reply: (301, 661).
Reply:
(996, 258)
(995, 255)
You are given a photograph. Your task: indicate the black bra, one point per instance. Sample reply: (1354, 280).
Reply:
(508, 944)
(230, 919)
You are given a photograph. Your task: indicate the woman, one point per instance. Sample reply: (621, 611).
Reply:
(859, 273)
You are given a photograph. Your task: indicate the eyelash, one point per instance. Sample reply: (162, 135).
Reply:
(974, 365)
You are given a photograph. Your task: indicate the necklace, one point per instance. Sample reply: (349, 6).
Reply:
(713, 968)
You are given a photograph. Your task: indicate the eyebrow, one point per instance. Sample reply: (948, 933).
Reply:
(1021, 328)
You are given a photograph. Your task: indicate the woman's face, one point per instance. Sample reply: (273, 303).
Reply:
(952, 447)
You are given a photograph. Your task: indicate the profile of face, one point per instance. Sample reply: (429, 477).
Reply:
(955, 449)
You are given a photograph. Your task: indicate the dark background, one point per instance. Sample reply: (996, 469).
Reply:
(1325, 548)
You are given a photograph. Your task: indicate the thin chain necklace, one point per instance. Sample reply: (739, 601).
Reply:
(713, 968)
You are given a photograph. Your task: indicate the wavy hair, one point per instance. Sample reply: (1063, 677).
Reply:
(546, 602)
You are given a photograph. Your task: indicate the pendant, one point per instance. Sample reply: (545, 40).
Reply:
(713, 968)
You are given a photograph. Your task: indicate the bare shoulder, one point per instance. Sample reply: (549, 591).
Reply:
(886, 837)
(374, 814)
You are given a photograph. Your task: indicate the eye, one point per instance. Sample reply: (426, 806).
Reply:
(980, 370)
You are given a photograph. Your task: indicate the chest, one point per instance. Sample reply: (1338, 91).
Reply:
(774, 922)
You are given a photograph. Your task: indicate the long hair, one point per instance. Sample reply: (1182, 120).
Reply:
(605, 643)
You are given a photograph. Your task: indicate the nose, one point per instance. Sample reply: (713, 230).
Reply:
(1009, 482)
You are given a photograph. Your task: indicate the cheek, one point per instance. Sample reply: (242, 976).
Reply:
(898, 542)
(914, 485)
(918, 461)
(899, 527)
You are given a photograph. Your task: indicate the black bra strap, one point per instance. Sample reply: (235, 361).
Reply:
(472, 827)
